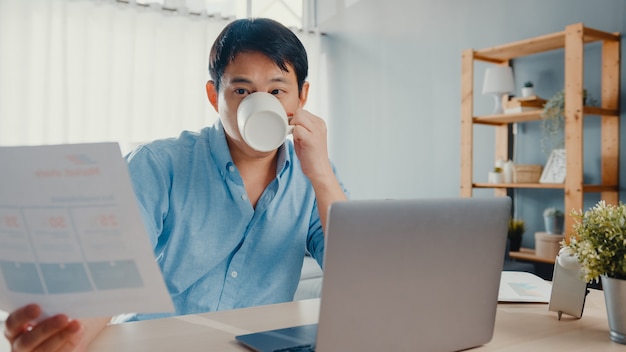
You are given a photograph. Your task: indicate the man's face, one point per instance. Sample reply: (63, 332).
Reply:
(249, 73)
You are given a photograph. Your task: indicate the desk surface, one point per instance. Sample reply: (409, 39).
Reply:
(519, 327)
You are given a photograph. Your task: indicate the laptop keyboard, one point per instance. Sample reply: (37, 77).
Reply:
(301, 348)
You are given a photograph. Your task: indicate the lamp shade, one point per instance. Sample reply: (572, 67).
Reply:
(498, 80)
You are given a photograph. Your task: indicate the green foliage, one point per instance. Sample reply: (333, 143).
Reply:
(600, 241)
(528, 84)
(516, 228)
(553, 120)
(552, 212)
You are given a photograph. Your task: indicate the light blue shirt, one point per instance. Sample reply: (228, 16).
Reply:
(215, 250)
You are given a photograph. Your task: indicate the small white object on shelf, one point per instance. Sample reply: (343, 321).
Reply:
(495, 177)
(555, 169)
(527, 91)
(508, 171)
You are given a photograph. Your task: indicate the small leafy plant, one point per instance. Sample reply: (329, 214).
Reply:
(599, 241)
(528, 84)
(516, 228)
(553, 120)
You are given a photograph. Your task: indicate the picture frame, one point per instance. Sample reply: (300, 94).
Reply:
(555, 169)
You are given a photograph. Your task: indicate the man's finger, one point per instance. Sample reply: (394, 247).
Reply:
(18, 320)
(61, 339)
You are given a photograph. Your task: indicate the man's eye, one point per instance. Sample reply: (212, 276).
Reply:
(275, 91)
(240, 91)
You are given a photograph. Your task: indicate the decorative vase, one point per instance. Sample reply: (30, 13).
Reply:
(554, 224)
(507, 171)
(615, 297)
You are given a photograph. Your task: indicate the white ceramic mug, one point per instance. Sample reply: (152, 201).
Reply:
(262, 121)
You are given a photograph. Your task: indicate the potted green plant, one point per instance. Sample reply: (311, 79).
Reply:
(599, 243)
(553, 120)
(553, 220)
(515, 233)
(527, 89)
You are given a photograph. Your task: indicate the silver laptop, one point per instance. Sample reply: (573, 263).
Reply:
(405, 275)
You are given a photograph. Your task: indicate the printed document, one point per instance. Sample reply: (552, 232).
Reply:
(71, 235)
(518, 286)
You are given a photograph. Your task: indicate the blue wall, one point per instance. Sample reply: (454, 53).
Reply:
(395, 78)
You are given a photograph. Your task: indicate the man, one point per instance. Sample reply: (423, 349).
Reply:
(229, 225)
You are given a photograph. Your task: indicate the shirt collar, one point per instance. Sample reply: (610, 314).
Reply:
(219, 147)
(221, 153)
(284, 157)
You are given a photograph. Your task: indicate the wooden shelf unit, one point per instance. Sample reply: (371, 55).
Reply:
(572, 40)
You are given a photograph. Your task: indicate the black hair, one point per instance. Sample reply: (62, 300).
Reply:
(262, 35)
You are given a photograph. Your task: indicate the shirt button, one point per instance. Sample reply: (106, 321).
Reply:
(244, 197)
(234, 274)
(231, 168)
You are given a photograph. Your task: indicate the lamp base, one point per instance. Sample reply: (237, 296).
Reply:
(498, 104)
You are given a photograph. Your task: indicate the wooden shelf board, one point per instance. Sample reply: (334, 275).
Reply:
(600, 188)
(529, 255)
(518, 185)
(502, 119)
(524, 47)
(596, 111)
(586, 188)
(535, 115)
(538, 45)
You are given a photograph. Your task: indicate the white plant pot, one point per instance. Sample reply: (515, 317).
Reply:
(615, 297)
(527, 91)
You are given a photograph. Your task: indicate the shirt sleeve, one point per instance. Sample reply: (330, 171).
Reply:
(151, 186)
(315, 241)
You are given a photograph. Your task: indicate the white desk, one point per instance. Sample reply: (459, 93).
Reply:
(519, 327)
(4, 344)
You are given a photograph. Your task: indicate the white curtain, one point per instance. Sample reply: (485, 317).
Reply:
(74, 71)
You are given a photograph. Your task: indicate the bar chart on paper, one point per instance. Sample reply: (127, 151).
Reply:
(518, 286)
(68, 249)
(71, 236)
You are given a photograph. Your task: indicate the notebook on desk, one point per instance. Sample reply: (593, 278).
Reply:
(404, 275)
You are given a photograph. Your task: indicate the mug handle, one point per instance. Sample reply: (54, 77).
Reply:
(290, 129)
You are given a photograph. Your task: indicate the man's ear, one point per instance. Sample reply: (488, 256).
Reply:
(304, 93)
(211, 93)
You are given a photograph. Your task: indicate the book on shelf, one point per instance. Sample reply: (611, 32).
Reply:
(528, 98)
(523, 104)
(521, 109)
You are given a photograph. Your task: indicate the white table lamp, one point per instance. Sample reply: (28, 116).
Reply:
(498, 82)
